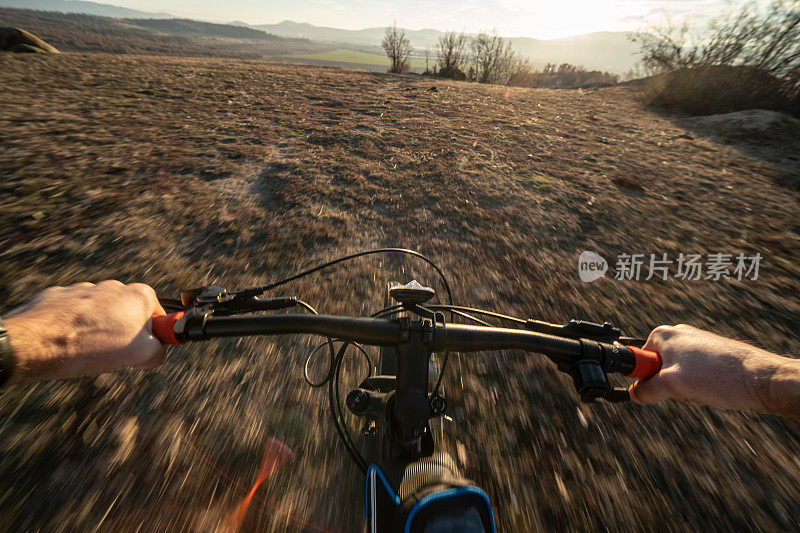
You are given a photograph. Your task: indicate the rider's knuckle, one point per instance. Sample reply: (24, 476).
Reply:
(663, 332)
(143, 290)
(110, 283)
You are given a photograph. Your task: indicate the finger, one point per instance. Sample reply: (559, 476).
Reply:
(650, 344)
(158, 310)
(148, 299)
(156, 359)
(649, 391)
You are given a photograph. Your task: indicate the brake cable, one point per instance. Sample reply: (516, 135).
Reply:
(476, 311)
(336, 412)
(255, 291)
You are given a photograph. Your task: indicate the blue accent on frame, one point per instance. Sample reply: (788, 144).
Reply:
(447, 494)
(379, 473)
(395, 497)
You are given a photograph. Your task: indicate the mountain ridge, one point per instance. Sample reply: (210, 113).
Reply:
(85, 7)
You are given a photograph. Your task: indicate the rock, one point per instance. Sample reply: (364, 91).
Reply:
(748, 122)
(16, 40)
(750, 126)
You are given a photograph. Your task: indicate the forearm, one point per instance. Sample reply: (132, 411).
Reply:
(769, 383)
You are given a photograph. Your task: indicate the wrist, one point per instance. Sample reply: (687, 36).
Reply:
(31, 357)
(784, 389)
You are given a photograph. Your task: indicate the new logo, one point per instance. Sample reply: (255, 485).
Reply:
(591, 266)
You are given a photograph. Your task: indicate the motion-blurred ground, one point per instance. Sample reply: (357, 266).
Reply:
(178, 172)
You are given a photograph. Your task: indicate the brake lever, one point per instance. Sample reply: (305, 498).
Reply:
(576, 329)
(611, 395)
(220, 302)
(172, 304)
(632, 341)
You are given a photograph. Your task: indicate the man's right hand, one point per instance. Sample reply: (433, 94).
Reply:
(705, 368)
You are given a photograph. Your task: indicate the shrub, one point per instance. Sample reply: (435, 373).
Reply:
(569, 76)
(747, 59)
(717, 89)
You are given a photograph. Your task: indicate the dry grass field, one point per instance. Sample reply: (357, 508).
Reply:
(178, 172)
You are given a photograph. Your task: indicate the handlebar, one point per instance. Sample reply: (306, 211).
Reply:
(177, 328)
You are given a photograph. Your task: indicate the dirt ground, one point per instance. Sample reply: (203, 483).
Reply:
(178, 172)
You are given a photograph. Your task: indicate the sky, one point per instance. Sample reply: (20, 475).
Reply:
(541, 19)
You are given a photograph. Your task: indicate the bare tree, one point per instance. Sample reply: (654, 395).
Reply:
(515, 69)
(451, 53)
(427, 57)
(398, 49)
(493, 58)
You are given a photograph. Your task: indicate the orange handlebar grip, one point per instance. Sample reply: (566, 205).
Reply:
(647, 363)
(164, 327)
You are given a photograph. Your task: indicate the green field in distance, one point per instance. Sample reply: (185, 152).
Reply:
(342, 55)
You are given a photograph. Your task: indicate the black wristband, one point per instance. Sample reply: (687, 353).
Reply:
(6, 356)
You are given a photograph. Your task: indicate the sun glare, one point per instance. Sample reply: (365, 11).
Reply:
(552, 20)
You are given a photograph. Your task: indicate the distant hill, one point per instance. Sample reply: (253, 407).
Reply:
(608, 51)
(367, 36)
(77, 32)
(81, 6)
(197, 28)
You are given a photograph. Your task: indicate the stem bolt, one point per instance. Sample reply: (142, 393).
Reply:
(357, 401)
(438, 405)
